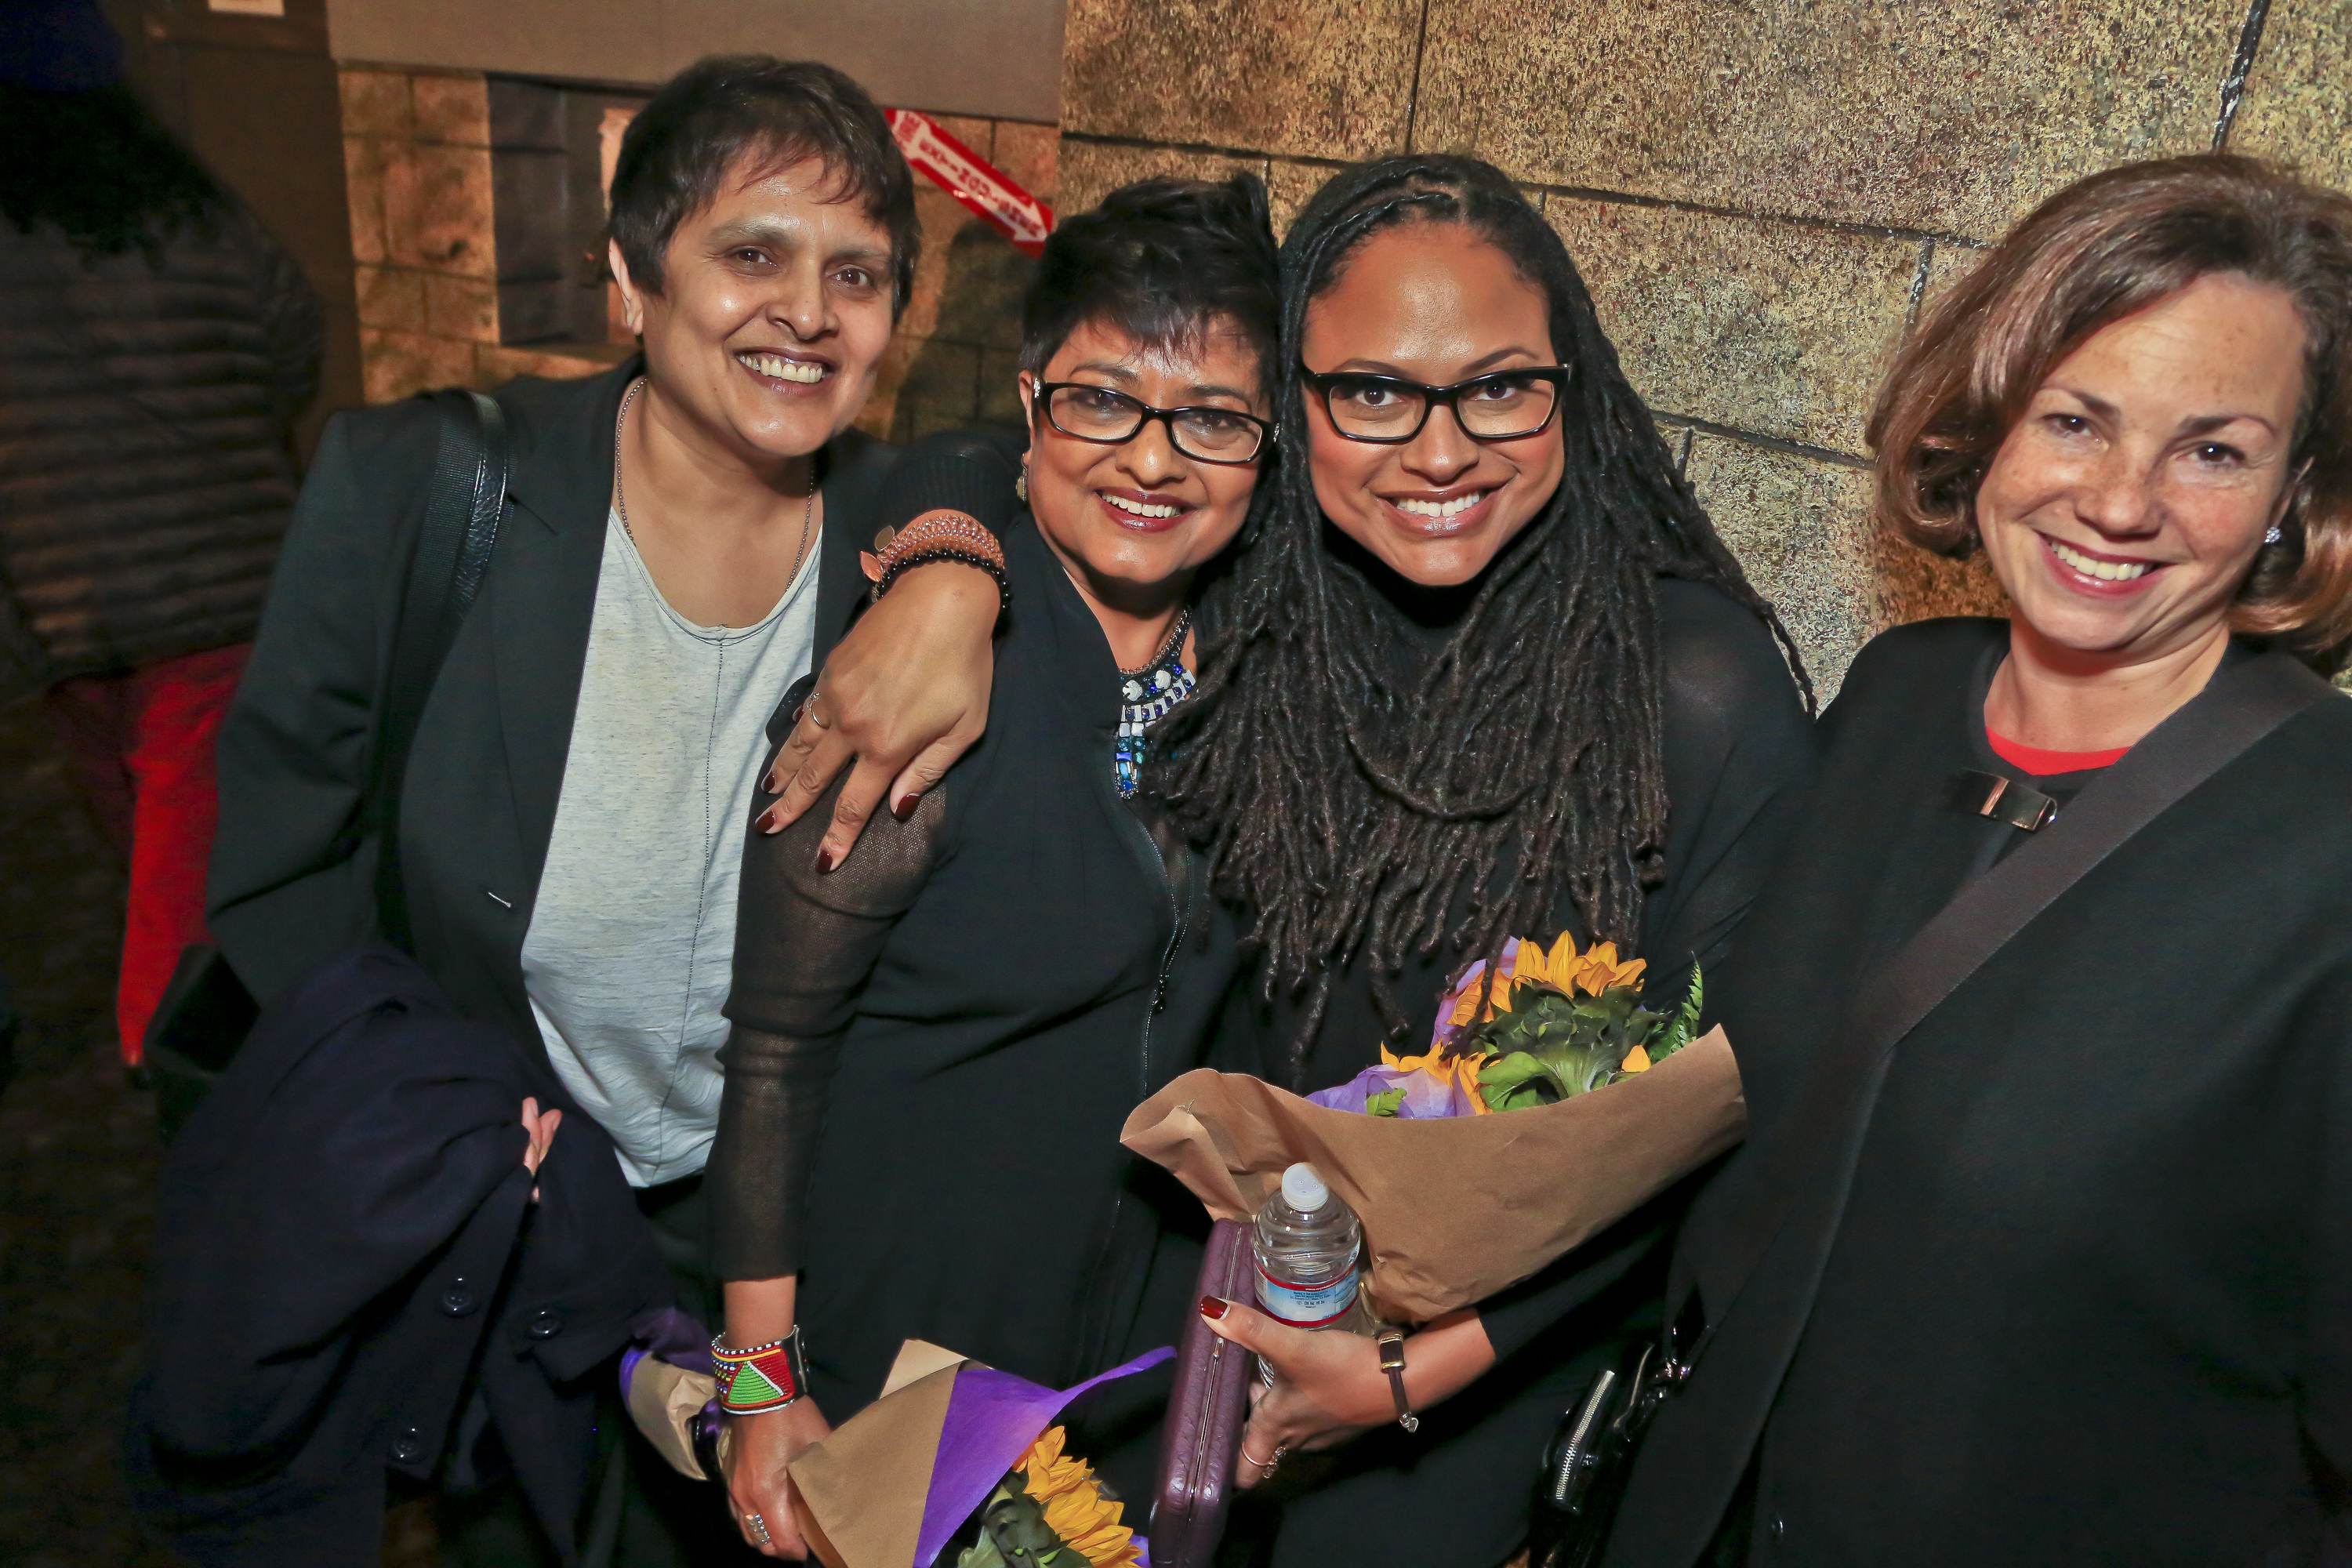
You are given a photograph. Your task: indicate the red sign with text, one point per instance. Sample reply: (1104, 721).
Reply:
(972, 179)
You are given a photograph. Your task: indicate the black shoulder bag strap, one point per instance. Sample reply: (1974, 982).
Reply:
(1772, 1235)
(463, 506)
(2242, 705)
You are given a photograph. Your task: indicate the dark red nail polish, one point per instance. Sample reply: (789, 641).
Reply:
(768, 821)
(825, 860)
(1214, 1308)
(904, 808)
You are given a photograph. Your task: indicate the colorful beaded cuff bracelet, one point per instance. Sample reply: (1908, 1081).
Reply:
(764, 1377)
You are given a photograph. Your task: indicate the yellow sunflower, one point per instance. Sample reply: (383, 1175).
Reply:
(1600, 970)
(1557, 969)
(1528, 965)
(1075, 1511)
(1461, 1071)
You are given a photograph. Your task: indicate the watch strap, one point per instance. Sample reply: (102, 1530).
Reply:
(1391, 1348)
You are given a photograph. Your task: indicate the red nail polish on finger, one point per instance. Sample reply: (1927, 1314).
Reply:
(826, 860)
(1214, 1308)
(768, 821)
(904, 808)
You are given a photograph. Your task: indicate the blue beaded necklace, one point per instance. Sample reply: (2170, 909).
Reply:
(1146, 696)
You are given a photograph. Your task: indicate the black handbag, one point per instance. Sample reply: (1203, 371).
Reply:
(1590, 1462)
(1590, 1455)
(206, 1012)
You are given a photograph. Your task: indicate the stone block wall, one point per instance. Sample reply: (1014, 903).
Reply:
(416, 163)
(951, 360)
(417, 154)
(1759, 193)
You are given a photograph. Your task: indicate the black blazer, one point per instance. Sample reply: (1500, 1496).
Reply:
(2089, 1298)
(293, 869)
(306, 1336)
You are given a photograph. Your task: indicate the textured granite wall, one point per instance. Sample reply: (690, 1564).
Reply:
(1760, 192)
(417, 154)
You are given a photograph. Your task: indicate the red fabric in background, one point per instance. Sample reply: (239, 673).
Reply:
(142, 745)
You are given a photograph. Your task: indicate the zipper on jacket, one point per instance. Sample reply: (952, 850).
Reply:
(1176, 924)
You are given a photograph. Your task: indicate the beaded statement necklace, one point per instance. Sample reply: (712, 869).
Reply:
(1145, 697)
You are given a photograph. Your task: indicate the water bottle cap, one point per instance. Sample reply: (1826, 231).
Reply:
(1303, 1190)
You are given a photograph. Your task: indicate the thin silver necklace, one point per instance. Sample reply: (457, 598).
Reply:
(621, 496)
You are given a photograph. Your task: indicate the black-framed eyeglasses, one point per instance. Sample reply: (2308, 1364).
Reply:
(1086, 412)
(1501, 405)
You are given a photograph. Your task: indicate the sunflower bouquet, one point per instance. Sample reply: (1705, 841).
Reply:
(1553, 1024)
(1050, 1511)
(1548, 1105)
(959, 1465)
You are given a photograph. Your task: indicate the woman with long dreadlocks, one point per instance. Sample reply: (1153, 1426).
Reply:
(1488, 672)
(1485, 670)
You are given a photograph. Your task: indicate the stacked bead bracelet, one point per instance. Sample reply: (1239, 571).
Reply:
(764, 1377)
(937, 536)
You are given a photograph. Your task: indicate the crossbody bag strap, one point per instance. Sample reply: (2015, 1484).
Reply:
(464, 502)
(1801, 1180)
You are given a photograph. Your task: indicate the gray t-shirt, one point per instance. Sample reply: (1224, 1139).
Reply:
(632, 942)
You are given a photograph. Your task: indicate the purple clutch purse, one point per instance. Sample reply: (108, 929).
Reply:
(1205, 1413)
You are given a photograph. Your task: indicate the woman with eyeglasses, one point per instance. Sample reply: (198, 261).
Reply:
(1489, 673)
(1485, 670)
(934, 1041)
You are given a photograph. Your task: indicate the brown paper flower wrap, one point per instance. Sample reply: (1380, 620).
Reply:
(1453, 1210)
(894, 1483)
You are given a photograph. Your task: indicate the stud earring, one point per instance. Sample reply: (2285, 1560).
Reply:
(2274, 535)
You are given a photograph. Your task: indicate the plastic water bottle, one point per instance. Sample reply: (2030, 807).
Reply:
(1308, 1243)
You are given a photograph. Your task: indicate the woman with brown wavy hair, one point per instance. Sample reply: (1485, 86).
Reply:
(2063, 1272)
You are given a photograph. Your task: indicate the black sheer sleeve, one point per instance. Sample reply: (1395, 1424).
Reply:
(967, 471)
(804, 946)
(1740, 754)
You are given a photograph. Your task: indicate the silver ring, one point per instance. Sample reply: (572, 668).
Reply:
(759, 1528)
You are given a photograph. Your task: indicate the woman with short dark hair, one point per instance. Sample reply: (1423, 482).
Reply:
(935, 1041)
(2041, 1246)
(680, 545)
